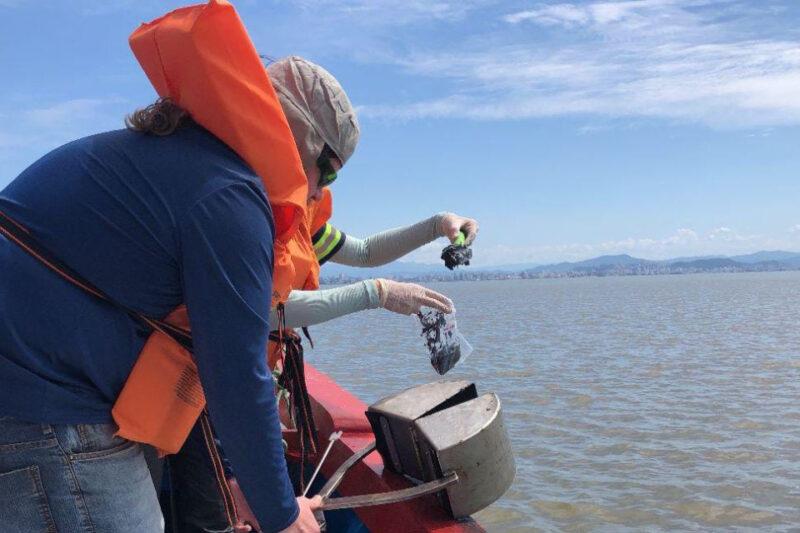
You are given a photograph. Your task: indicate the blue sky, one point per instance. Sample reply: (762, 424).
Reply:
(658, 128)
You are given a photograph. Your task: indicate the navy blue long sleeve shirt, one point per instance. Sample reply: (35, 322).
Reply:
(154, 222)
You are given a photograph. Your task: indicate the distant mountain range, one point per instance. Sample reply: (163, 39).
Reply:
(607, 265)
(626, 264)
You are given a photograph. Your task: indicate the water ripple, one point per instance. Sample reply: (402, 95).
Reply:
(633, 404)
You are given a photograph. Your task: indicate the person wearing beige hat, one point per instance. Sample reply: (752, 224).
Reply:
(326, 132)
(323, 122)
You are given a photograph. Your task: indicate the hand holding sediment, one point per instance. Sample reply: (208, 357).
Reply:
(450, 225)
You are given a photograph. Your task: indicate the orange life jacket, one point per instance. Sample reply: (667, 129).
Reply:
(322, 211)
(302, 250)
(202, 58)
(304, 258)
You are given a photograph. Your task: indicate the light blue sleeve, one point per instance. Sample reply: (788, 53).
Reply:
(387, 246)
(307, 308)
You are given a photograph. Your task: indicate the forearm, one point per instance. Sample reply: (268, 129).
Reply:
(389, 245)
(306, 308)
(251, 434)
(240, 396)
(226, 265)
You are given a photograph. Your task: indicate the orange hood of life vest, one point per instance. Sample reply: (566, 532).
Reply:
(304, 258)
(302, 250)
(203, 60)
(320, 212)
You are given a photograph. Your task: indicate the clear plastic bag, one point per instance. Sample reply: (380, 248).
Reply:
(446, 345)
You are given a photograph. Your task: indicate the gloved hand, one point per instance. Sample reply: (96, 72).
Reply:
(407, 298)
(450, 225)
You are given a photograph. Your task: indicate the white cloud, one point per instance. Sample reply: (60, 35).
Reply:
(689, 61)
(16, 140)
(93, 8)
(30, 132)
(393, 12)
(68, 111)
(565, 14)
(633, 13)
(63, 121)
(149, 8)
(722, 234)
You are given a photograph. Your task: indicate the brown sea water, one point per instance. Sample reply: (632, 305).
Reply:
(634, 403)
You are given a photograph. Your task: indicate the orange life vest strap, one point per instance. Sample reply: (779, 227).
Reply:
(160, 412)
(22, 237)
(228, 501)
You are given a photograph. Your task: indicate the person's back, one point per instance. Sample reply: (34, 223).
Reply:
(154, 222)
(114, 207)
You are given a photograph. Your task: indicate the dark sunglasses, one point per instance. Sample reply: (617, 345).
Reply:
(327, 174)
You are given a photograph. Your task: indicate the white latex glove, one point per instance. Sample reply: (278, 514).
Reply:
(407, 298)
(450, 225)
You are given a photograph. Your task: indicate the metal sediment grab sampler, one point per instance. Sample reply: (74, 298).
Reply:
(444, 438)
(431, 430)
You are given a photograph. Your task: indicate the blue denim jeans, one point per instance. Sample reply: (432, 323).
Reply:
(73, 478)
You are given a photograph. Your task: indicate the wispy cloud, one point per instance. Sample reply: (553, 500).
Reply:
(563, 14)
(701, 61)
(14, 141)
(394, 12)
(28, 132)
(91, 8)
(637, 15)
(62, 114)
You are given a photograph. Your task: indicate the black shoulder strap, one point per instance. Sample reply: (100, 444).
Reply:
(21, 236)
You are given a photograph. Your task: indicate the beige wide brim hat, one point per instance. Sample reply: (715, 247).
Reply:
(316, 107)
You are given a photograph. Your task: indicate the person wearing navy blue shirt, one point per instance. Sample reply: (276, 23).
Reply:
(154, 221)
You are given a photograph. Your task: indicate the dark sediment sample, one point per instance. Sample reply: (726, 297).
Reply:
(456, 255)
(444, 347)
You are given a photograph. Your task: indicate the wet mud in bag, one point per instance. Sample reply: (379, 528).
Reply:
(446, 345)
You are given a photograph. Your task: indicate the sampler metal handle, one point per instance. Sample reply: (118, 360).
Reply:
(380, 498)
